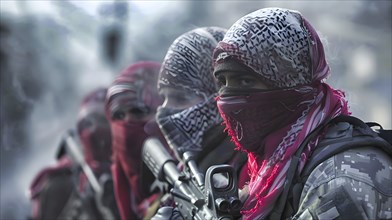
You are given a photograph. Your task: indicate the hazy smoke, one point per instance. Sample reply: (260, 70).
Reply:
(51, 59)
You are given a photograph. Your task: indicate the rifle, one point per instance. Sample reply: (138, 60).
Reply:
(196, 197)
(77, 157)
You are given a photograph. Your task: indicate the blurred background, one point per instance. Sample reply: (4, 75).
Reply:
(54, 52)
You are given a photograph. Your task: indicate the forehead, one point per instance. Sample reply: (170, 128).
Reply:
(128, 96)
(127, 100)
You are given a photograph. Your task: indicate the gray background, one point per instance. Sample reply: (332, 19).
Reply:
(54, 52)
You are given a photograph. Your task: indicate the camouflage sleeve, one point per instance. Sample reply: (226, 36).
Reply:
(355, 184)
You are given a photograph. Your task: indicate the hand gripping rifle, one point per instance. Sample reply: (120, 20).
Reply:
(196, 197)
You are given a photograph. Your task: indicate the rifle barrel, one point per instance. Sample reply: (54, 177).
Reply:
(77, 155)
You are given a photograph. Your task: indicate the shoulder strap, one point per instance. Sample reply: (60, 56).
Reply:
(385, 134)
(381, 132)
(361, 136)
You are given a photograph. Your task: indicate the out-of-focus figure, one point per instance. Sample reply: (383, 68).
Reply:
(131, 105)
(80, 185)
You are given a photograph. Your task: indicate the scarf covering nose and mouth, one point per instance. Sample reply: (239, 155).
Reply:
(252, 117)
(134, 87)
(184, 129)
(94, 129)
(285, 51)
(188, 67)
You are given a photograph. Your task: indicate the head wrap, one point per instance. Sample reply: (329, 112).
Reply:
(94, 129)
(134, 92)
(285, 51)
(139, 82)
(188, 67)
(275, 43)
(188, 62)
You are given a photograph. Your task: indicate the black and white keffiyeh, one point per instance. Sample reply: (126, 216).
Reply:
(274, 43)
(188, 67)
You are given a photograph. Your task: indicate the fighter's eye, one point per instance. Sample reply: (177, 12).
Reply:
(221, 81)
(85, 124)
(118, 115)
(245, 82)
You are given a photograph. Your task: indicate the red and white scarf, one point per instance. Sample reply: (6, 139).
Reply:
(285, 50)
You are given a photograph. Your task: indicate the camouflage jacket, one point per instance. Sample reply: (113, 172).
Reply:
(353, 184)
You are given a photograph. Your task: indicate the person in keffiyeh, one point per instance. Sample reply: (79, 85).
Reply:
(271, 69)
(189, 117)
(131, 105)
(63, 191)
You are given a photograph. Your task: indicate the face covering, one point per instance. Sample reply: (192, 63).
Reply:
(253, 115)
(188, 67)
(184, 129)
(128, 140)
(96, 144)
(94, 129)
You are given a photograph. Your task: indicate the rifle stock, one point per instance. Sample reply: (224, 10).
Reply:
(196, 197)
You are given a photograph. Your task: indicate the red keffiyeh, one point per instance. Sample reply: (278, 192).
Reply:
(94, 129)
(134, 88)
(285, 51)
